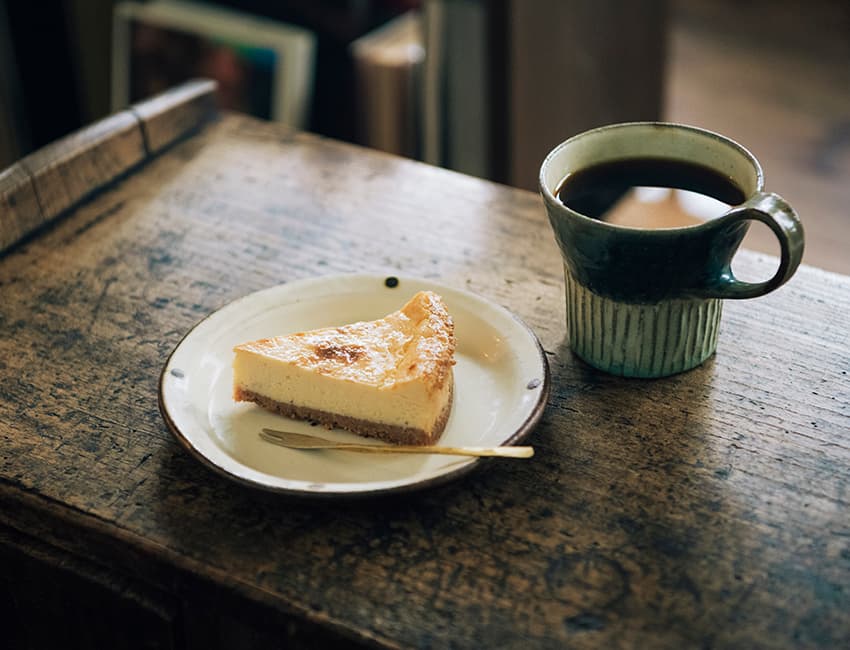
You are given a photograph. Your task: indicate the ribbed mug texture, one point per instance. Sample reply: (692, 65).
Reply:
(640, 340)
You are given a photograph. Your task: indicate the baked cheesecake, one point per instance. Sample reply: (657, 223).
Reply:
(390, 378)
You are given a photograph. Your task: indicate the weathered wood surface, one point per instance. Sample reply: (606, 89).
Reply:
(48, 599)
(67, 170)
(19, 209)
(47, 182)
(707, 509)
(173, 114)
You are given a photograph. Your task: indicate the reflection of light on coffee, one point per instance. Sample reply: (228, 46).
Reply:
(651, 194)
(693, 204)
(650, 207)
(699, 205)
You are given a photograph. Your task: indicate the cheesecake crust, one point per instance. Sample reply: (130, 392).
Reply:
(388, 433)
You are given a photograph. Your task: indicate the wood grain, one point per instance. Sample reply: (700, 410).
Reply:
(66, 171)
(20, 212)
(705, 509)
(53, 179)
(176, 113)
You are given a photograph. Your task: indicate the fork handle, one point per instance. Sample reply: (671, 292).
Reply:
(500, 452)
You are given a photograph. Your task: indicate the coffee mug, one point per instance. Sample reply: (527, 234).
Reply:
(644, 301)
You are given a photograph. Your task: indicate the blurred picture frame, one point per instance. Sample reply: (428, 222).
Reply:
(263, 67)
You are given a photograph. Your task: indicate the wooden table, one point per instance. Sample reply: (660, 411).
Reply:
(708, 509)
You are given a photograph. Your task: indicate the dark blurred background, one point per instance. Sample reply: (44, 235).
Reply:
(60, 54)
(488, 86)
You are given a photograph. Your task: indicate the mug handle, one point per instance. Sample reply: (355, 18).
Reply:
(772, 210)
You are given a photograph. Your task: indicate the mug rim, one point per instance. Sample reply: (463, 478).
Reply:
(550, 198)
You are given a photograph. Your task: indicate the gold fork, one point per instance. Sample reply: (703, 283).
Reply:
(302, 441)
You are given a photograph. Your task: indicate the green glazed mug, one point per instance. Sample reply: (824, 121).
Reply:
(646, 302)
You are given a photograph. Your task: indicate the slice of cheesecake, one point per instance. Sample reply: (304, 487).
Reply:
(390, 378)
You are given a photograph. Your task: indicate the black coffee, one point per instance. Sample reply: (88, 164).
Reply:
(649, 192)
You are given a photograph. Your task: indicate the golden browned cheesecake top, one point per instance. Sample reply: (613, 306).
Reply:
(415, 343)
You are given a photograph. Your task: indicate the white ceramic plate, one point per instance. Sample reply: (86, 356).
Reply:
(501, 387)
